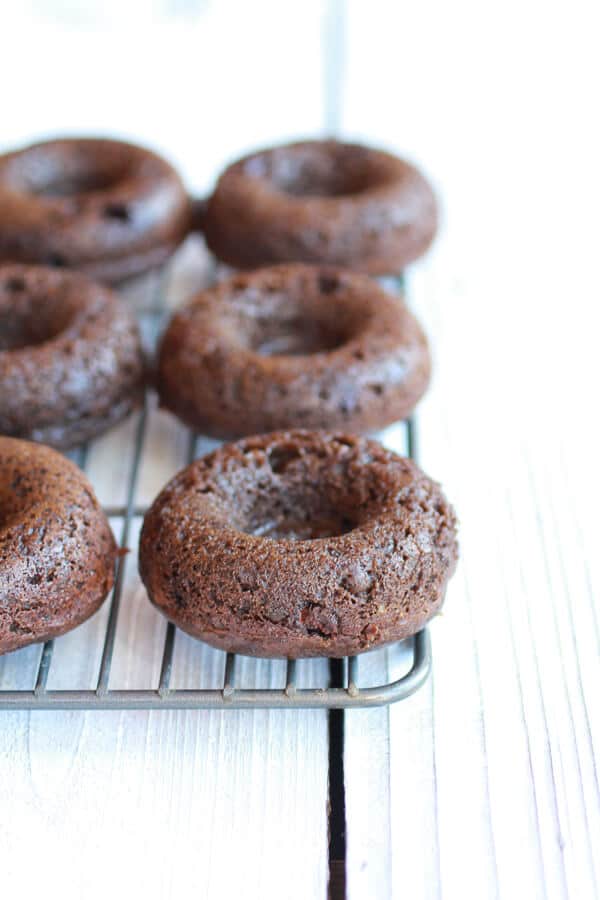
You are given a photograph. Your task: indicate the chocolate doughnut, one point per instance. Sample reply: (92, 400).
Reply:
(292, 346)
(57, 552)
(71, 362)
(107, 208)
(299, 544)
(321, 202)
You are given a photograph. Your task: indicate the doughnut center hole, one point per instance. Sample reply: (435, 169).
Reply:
(10, 506)
(71, 186)
(293, 521)
(300, 530)
(59, 172)
(314, 182)
(305, 318)
(340, 171)
(30, 325)
(295, 337)
(294, 503)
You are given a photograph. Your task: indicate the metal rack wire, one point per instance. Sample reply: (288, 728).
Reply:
(230, 695)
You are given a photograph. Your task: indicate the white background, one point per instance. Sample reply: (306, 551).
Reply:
(485, 784)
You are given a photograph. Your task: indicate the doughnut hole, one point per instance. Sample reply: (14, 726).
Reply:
(51, 171)
(283, 495)
(27, 320)
(306, 171)
(14, 502)
(81, 182)
(294, 512)
(295, 322)
(296, 336)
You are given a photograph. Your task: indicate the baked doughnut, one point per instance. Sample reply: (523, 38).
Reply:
(292, 346)
(71, 362)
(57, 552)
(107, 208)
(321, 202)
(299, 544)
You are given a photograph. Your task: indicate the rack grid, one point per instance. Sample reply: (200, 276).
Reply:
(342, 690)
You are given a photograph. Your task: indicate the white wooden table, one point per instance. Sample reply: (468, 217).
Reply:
(485, 784)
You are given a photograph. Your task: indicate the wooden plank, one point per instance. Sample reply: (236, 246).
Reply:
(367, 762)
(494, 766)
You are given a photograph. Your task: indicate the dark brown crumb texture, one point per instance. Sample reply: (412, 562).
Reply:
(107, 208)
(71, 362)
(321, 202)
(299, 544)
(293, 346)
(57, 552)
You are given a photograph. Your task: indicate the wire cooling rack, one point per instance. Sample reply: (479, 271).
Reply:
(341, 687)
